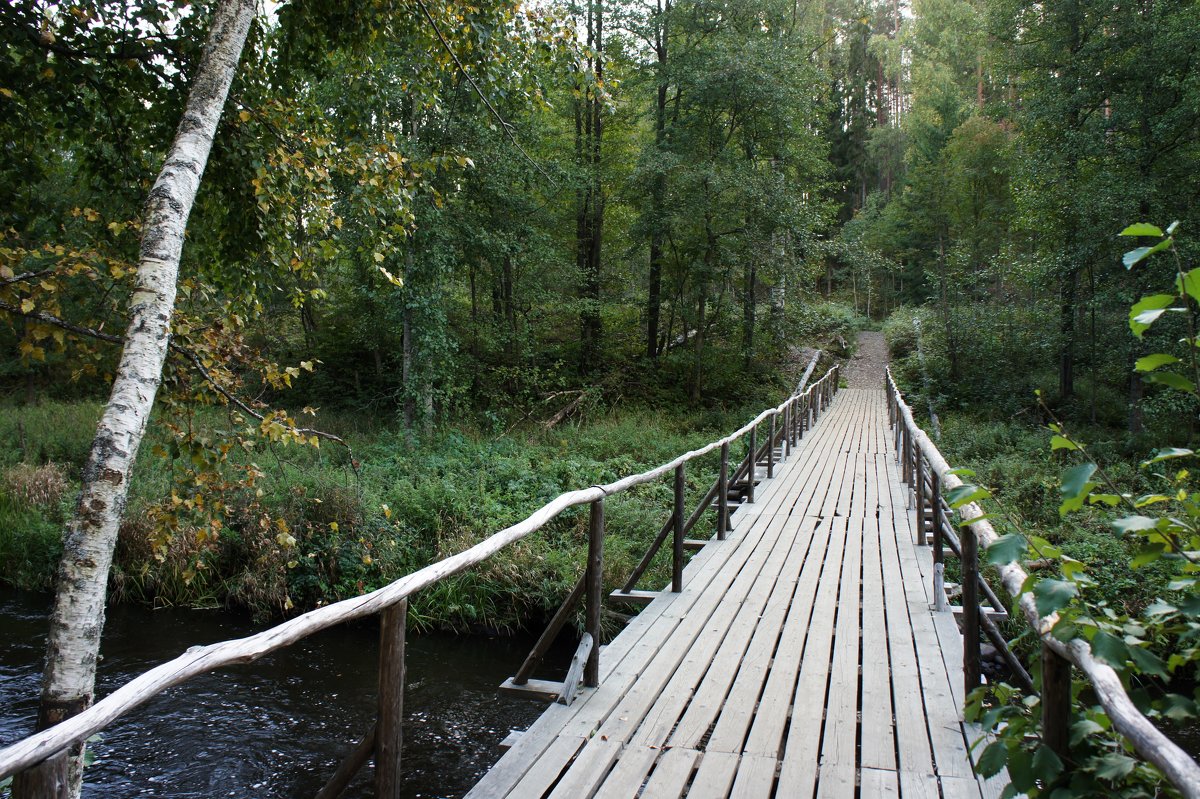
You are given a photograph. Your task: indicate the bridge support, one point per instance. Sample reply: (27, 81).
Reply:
(389, 733)
(595, 588)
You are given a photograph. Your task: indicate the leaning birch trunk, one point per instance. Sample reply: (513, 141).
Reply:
(78, 615)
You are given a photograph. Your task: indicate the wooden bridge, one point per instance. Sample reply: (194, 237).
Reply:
(805, 650)
(801, 656)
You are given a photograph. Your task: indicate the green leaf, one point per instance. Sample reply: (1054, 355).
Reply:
(1075, 479)
(961, 495)
(1190, 283)
(1046, 764)
(962, 472)
(1131, 524)
(1131, 258)
(1051, 595)
(1149, 363)
(1059, 442)
(1083, 729)
(1075, 487)
(1141, 229)
(1147, 662)
(1006, 549)
(1171, 380)
(1145, 311)
(1113, 766)
(993, 759)
(1166, 453)
(1111, 500)
(1110, 649)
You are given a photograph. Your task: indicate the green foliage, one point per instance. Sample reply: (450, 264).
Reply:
(1151, 644)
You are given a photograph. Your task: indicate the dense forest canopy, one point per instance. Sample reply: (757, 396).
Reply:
(424, 224)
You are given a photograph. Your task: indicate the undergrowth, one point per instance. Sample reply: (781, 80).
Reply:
(337, 532)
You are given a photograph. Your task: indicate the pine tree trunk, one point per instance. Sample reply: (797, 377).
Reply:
(78, 615)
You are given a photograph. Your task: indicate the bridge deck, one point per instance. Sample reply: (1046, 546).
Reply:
(801, 658)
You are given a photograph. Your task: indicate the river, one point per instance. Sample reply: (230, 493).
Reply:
(278, 727)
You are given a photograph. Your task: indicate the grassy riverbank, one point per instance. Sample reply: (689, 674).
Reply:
(312, 530)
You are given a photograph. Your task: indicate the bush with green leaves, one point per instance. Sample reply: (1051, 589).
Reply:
(1154, 646)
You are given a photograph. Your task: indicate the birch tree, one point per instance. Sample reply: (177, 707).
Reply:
(78, 615)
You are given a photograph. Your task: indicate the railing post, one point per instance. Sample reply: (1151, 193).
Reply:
(389, 732)
(723, 494)
(1056, 701)
(935, 501)
(970, 601)
(787, 430)
(752, 471)
(920, 489)
(677, 542)
(771, 451)
(595, 581)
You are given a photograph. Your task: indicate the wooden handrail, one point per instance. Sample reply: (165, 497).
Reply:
(1148, 741)
(199, 660)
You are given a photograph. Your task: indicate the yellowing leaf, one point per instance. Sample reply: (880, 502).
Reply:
(7, 93)
(395, 281)
(244, 116)
(333, 526)
(27, 306)
(378, 257)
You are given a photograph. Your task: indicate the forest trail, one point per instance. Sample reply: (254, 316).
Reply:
(866, 368)
(801, 657)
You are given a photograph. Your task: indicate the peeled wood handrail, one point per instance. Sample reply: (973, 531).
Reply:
(1179, 768)
(199, 660)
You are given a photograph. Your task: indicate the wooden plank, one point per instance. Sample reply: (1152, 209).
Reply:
(838, 755)
(588, 771)
(545, 771)
(747, 651)
(628, 776)
(878, 749)
(755, 777)
(799, 770)
(774, 676)
(715, 776)
(671, 775)
(912, 736)
(881, 783)
(541, 690)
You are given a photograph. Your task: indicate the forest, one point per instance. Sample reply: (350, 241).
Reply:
(375, 280)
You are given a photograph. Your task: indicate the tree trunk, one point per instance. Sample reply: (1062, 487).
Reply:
(78, 615)
(1066, 329)
(654, 292)
(591, 211)
(749, 312)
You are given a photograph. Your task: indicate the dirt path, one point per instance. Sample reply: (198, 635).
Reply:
(865, 369)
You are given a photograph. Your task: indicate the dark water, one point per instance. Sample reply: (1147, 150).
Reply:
(276, 728)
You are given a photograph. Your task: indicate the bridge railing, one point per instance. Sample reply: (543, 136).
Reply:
(929, 475)
(786, 428)
(390, 602)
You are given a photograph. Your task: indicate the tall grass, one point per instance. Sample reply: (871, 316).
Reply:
(406, 506)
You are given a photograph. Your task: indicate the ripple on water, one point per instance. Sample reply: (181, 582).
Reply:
(276, 728)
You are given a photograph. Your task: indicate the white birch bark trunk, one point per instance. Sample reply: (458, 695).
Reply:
(78, 615)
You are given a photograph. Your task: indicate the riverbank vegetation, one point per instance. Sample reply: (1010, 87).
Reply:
(448, 260)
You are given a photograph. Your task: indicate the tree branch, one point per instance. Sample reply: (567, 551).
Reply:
(232, 398)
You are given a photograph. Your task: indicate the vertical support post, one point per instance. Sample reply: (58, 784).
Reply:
(723, 494)
(1056, 701)
(919, 485)
(389, 732)
(752, 472)
(677, 536)
(771, 451)
(970, 601)
(935, 500)
(788, 429)
(595, 575)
